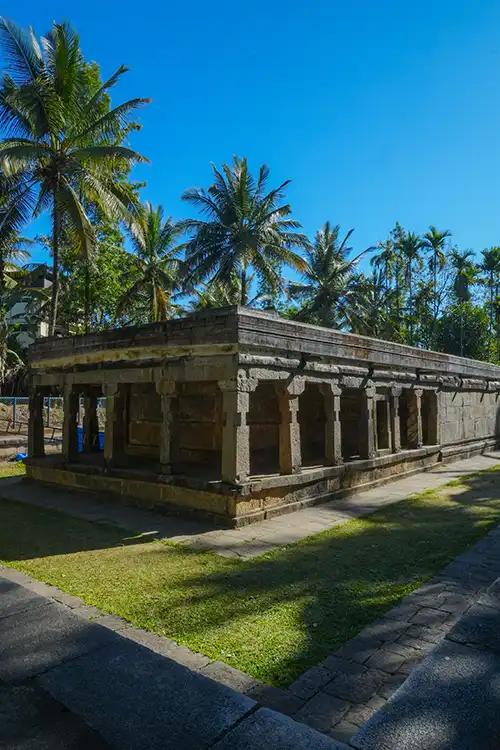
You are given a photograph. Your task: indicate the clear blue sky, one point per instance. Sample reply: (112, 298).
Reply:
(378, 110)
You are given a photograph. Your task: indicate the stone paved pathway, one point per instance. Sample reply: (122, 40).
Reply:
(251, 540)
(451, 701)
(345, 690)
(335, 697)
(117, 692)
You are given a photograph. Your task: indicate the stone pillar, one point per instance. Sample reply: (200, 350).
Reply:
(90, 424)
(333, 430)
(415, 439)
(168, 396)
(435, 419)
(235, 430)
(394, 394)
(115, 431)
(70, 423)
(36, 443)
(289, 428)
(367, 422)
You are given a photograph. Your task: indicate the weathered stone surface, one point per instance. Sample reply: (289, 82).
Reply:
(449, 703)
(15, 598)
(31, 720)
(154, 702)
(180, 396)
(35, 640)
(265, 728)
(310, 682)
(323, 711)
(479, 626)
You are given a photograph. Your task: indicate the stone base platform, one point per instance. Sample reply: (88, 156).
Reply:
(258, 499)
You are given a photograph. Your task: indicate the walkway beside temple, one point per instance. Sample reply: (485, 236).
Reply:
(52, 656)
(249, 541)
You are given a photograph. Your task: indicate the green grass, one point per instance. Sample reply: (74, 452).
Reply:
(273, 616)
(12, 469)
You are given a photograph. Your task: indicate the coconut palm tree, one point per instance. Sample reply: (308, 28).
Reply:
(371, 314)
(465, 271)
(247, 230)
(410, 245)
(159, 270)
(385, 261)
(61, 148)
(217, 294)
(435, 242)
(327, 291)
(490, 267)
(13, 249)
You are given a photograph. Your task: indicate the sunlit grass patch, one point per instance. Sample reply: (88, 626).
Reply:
(272, 616)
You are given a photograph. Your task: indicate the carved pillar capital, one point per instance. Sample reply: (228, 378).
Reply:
(290, 388)
(243, 383)
(165, 387)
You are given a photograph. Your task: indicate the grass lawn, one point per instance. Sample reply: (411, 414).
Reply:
(273, 616)
(12, 469)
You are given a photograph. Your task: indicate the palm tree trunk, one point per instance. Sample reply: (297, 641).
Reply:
(56, 236)
(3, 323)
(410, 300)
(86, 312)
(434, 285)
(244, 291)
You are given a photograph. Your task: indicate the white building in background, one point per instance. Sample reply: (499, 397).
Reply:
(24, 312)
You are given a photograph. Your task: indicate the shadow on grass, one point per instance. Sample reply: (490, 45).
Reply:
(272, 616)
(28, 531)
(330, 586)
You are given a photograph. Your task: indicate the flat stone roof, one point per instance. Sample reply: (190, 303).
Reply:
(241, 329)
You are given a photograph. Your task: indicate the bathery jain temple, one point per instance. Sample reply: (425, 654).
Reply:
(241, 415)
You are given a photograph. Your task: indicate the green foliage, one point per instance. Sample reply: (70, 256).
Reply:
(90, 292)
(464, 330)
(156, 266)
(60, 146)
(328, 289)
(248, 230)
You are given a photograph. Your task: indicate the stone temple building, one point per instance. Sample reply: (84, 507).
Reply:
(241, 415)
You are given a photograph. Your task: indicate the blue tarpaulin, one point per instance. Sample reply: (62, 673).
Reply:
(80, 440)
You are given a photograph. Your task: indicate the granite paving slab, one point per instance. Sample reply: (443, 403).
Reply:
(136, 698)
(30, 719)
(450, 702)
(268, 729)
(38, 638)
(74, 682)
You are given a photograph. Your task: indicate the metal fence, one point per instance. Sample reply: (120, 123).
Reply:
(14, 415)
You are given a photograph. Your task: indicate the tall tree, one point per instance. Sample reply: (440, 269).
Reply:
(60, 146)
(158, 269)
(326, 294)
(13, 248)
(490, 267)
(435, 241)
(410, 245)
(372, 306)
(464, 276)
(247, 230)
